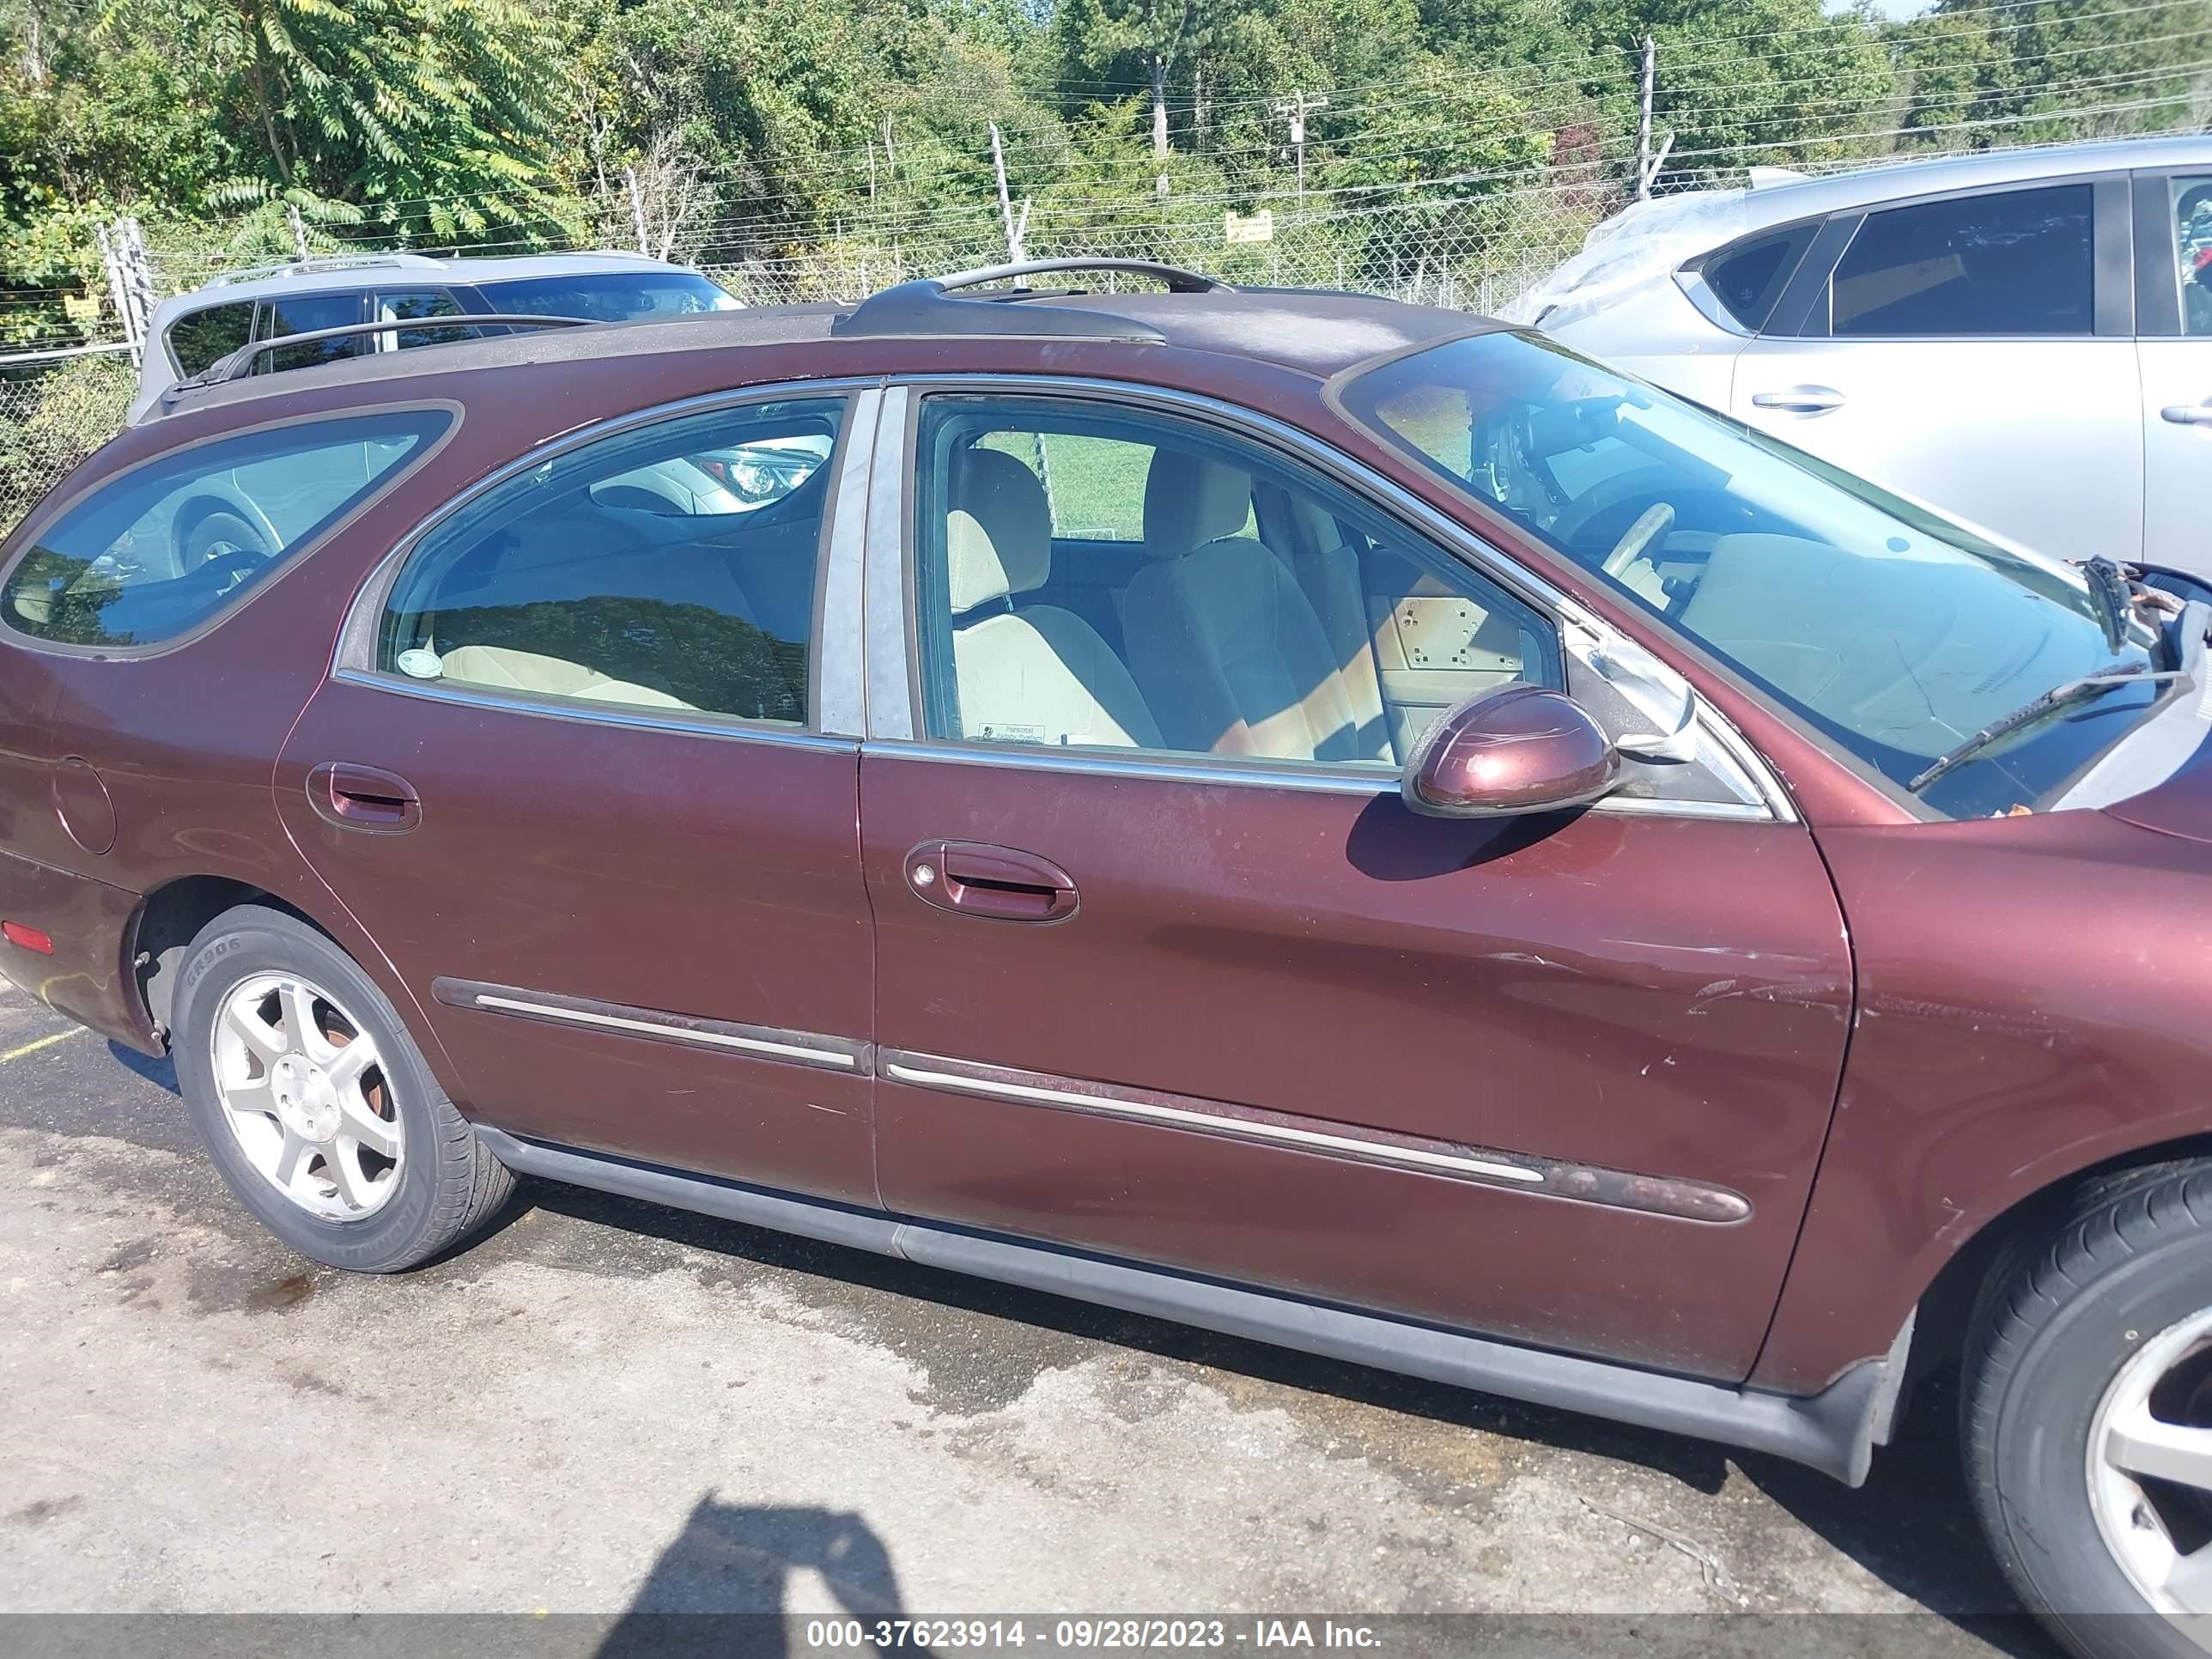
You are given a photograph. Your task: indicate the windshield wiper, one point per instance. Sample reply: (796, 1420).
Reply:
(2028, 714)
(2113, 596)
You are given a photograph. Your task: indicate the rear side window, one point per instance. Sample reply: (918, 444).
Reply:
(421, 306)
(167, 545)
(1749, 279)
(613, 297)
(670, 567)
(197, 341)
(2019, 262)
(304, 315)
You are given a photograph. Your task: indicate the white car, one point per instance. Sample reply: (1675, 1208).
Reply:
(430, 302)
(2021, 339)
(434, 298)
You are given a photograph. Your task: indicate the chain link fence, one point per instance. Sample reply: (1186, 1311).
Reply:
(52, 416)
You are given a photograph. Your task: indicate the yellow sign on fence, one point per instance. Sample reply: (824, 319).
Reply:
(1249, 228)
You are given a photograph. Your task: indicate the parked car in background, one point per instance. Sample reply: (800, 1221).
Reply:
(1337, 822)
(189, 333)
(2023, 338)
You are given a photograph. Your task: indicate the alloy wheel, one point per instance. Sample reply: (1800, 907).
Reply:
(306, 1095)
(2150, 1471)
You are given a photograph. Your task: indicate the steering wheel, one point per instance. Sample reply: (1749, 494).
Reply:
(1658, 520)
(1580, 517)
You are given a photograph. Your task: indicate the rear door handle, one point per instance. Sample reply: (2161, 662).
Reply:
(354, 797)
(977, 879)
(1800, 400)
(2189, 414)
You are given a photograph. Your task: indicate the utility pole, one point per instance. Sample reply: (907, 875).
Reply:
(1014, 226)
(1644, 170)
(1295, 109)
(890, 156)
(637, 210)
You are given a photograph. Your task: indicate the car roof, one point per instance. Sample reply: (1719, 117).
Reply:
(1781, 203)
(354, 273)
(1317, 332)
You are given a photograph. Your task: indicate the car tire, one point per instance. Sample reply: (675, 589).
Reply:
(218, 533)
(2070, 1322)
(411, 1184)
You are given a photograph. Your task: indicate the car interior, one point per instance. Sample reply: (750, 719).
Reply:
(628, 575)
(1222, 609)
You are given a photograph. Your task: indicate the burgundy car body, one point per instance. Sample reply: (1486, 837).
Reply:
(1775, 1075)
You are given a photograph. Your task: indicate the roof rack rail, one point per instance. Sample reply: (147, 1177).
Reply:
(239, 363)
(926, 306)
(322, 263)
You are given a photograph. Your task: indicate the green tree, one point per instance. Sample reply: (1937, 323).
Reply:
(2041, 71)
(434, 116)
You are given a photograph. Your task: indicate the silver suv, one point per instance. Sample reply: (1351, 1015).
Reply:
(192, 331)
(2023, 339)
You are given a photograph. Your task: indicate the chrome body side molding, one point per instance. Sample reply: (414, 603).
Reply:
(1619, 1189)
(828, 1053)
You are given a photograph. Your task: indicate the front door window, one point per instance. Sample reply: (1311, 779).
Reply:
(1100, 579)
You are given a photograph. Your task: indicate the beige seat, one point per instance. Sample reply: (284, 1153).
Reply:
(1025, 673)
(527, 671)
(1223, 642)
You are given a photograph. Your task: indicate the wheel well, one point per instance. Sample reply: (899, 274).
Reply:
(170, 919)
(1946, 1307)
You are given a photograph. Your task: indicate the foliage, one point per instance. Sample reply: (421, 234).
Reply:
(52, 421)
(2021, 71)
(857, 132)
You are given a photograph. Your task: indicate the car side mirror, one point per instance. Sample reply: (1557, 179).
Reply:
(1516, 748)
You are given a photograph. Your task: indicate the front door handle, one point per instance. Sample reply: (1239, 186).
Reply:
(354, 797)
(2189, 414)
(977, 879)
(1800, 400)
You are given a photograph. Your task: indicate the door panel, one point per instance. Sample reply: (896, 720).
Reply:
(565, 780)
(2176, 377)
(1555, 992)
(664, 872)
(2036, 440)
(2177, 380)
(1250, 1017)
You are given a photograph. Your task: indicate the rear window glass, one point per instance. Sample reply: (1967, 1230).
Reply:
(2019, 262)
(1749, 279)
(169, 544)
(198, 340)
(614, 296)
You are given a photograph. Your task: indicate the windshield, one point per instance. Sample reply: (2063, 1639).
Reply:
(1898, 635)
(613, 296)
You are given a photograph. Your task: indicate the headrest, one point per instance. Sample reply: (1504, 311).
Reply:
(999, 533)
(1191, 500)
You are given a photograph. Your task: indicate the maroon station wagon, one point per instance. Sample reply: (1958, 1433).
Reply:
(1327, 820)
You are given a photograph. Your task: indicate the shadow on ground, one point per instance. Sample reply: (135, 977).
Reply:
(733, 1563)
(1912, 1526)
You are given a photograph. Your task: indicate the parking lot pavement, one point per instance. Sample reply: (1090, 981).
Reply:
(608, 1405)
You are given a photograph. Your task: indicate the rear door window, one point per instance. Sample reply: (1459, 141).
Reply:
(627, 572)
(1748, 278)
(304, 314)
(165, 547)
(2018, 262)
(197, 341)
(419, 305)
